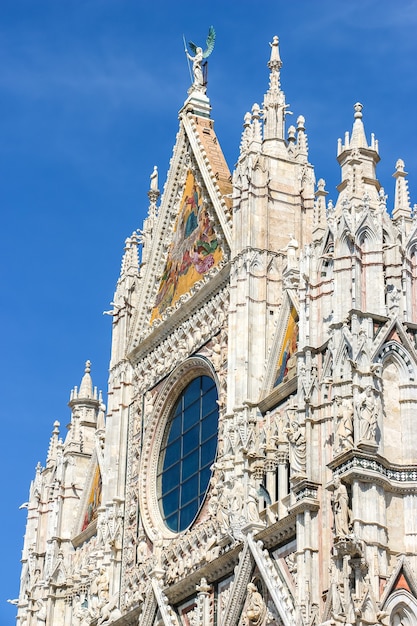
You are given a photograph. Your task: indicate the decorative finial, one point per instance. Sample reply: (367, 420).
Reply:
(153, 193)
(400, 165)
(302, 143)
(274, 107)
(319, 216)
(358, 110)
(301, 122)
(275, 60)
(86, 387)
(53, 444)
(246, 134)
(321, 184)
(154, 179)
(256, 124)
(200, 67)
(402, 206)
(358, 137)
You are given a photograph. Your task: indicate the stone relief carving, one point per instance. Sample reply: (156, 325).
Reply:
(252, 504)
(296, 436)
(197, 546)
(109, 612)
(256, 610)
(224, 599)
(340, 505)
(367, 407)
(343, 410)
(183, 341)
(80, 614)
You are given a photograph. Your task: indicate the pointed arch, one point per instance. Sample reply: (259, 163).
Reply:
(393, 350)
(325, 266)
(86, 518)
(344, 244)
(280, 365)
(370, 295)
(399, 403)
(366, 238)
(402, 608)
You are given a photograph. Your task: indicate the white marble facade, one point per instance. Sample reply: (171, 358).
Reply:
(257, 460)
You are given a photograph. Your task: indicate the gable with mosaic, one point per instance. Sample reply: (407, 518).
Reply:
(193, 251)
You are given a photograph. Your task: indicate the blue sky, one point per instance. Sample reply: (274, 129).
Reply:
(89, 96)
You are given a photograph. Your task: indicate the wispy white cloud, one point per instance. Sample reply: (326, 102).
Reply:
(115, 78)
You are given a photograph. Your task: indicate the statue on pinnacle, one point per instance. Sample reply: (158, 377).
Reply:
(199, 65)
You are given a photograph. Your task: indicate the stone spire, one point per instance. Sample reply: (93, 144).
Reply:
(146, 234)
(246, 133)
(402, 206)
(358, 161)
(274, 101)
(84, 403)
(86, 392)
(319, 219)
(256, 139)
(53, 445)
(86, 387)
(130, 260)
(302, 141)
(358, 137)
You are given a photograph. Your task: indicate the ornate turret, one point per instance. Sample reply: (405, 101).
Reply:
(358, 161)
(85, 404)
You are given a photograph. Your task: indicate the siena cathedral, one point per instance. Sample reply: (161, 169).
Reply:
(256, 463)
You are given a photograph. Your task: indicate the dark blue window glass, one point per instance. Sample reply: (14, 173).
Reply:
(175, 428)
(187, 453)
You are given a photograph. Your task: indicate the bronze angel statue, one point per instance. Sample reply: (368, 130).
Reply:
(198, 57)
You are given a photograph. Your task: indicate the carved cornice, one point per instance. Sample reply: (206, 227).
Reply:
(129, 619)
(282, 531)
(212, 572)
(395, 478)
(189, 304)
(182, 335)
(278, 395)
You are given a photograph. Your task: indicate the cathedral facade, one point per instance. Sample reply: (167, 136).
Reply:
(257, 462)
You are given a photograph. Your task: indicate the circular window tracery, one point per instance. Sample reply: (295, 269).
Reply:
(187, 453)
